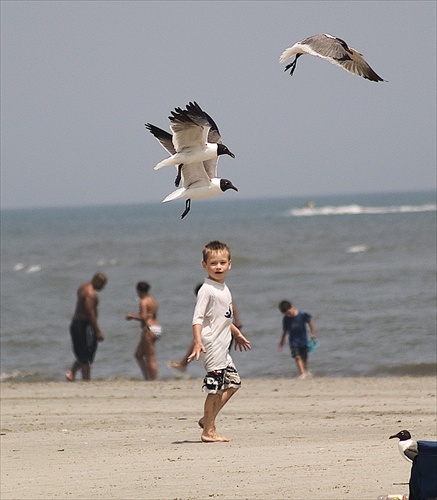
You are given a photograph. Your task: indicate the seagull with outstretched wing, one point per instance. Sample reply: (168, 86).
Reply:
(333, 49)
(190, 129)
(199, 178)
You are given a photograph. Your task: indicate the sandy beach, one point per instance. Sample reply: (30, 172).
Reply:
(322, 438)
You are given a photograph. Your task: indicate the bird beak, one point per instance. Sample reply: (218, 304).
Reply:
(234, 188)
(231, 154)
(395, 436)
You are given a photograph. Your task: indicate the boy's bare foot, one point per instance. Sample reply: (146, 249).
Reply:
(200, 422)
(215, 438)
(179, 366)
(69, 376)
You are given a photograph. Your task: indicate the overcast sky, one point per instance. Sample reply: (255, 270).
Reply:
(79, 80)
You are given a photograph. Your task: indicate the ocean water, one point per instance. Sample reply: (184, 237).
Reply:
(364, 266)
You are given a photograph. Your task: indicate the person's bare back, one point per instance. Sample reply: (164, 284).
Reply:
(87, 300)
(150, 331)
(150, 306)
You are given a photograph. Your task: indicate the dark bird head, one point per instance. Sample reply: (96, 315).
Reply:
(223, 150)
(226, 184)
(402, 435)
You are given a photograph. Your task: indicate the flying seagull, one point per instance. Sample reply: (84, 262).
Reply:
(407, 447)
(333, 49)
(190, 129)
(199, 179)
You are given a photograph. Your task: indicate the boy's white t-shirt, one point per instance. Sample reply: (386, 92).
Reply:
(214, 312)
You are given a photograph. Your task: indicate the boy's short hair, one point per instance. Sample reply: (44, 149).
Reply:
(285, 305)
(215, 246)
(143, 287)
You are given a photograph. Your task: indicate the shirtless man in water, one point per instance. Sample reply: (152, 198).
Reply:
(150, 331)
(84, 329)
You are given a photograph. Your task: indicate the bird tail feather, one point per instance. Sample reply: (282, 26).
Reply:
(168, 162)
(291, 51)
(178, 193)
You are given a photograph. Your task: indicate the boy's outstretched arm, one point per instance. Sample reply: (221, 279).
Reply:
(240, 340)
(197, 345)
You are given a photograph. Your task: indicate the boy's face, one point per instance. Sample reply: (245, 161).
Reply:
(291, 312)
(217, 265)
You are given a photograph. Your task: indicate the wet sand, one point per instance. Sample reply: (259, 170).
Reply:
(319, 438)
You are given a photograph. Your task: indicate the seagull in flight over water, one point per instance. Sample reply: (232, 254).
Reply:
(190, 129)
(335, 50)
(197, 138)
(407, 447)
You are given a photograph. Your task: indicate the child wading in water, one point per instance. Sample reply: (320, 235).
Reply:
(213, 331)
(294, 325)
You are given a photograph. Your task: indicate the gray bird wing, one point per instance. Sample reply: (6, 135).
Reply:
(194, 110)
(327, 46)
(163, 137)
(194, 175)
(210, 167)
(190, 129)
(213, 137)
(336, 51)
(358, 65)
(412, 451)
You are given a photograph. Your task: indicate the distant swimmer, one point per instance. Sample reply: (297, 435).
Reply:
(84, 328)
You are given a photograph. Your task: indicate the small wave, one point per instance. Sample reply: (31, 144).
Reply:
(110, 262)
(33, 269)
(19, 266)
(410, 370)
(18, 375)
(359, 210)
(357, 249)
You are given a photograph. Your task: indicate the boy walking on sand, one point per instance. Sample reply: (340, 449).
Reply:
(213, 331)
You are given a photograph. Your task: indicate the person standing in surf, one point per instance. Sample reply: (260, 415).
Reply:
(150, 331)
(84, 328)
(294, 325)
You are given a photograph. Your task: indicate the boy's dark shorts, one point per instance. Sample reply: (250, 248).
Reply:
(302, 352)
(217, 381)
